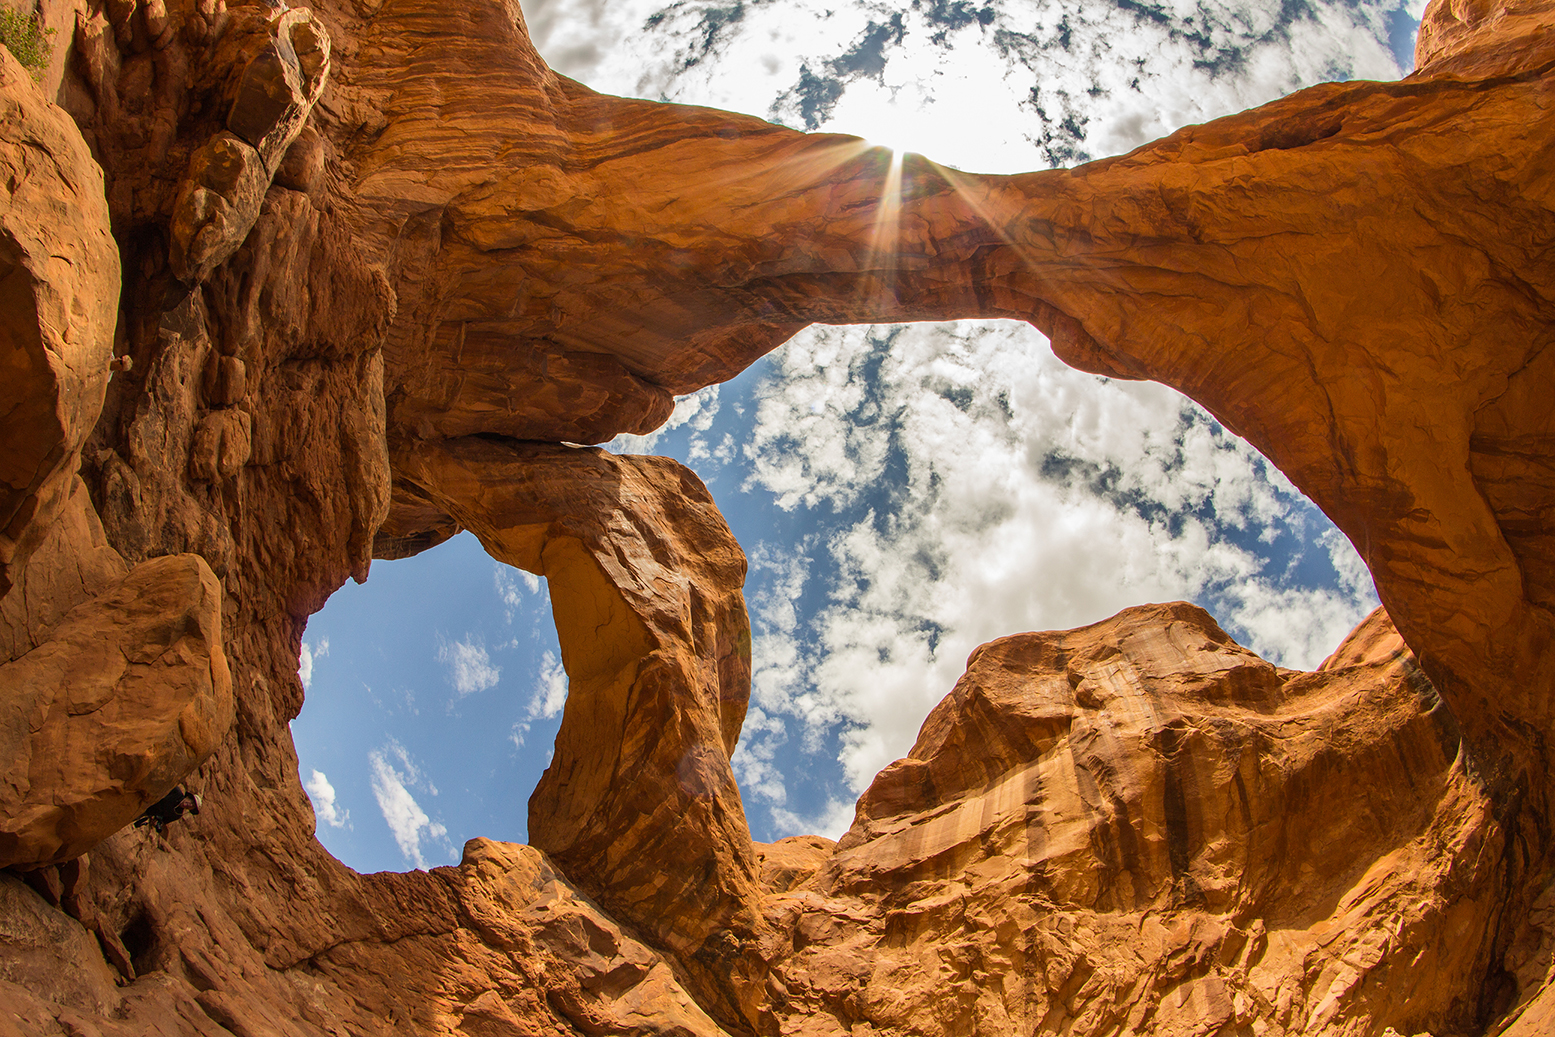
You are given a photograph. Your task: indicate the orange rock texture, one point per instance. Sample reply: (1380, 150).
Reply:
(1142, 827)
(656, 643)
(285, 290)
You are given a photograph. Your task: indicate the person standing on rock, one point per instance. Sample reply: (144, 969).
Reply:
(169, 809)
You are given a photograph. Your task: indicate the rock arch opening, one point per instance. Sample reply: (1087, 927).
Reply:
(433, 694)
(903, 494)
(647, 581)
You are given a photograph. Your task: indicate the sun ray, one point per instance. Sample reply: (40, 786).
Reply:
(882, 259)
(975, 199)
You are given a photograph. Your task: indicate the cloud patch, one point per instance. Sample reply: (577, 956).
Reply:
(697, 410)
(470, 668)
(506, 580)
(325, 807)
(967, 485)
(547, 700)
(831, 820)
(998, 86)
(393, 774)
(307, 656)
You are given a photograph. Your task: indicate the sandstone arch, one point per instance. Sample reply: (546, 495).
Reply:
(461, 251)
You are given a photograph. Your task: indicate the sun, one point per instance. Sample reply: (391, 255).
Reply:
(889, 120)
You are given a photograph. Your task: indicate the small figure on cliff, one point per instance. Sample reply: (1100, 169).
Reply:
(169, 809)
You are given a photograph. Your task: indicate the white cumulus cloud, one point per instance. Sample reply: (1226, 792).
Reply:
(307, 657)
(831, 820)
(392, 775)
(550, 695)
(470, 668)
(698, 410)
(506, 579)
(1015, 84)
(754, 760)
(322, 793)
(551, 689)
(979, 487)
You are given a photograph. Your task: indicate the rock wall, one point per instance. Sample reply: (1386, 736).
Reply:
(282, 291)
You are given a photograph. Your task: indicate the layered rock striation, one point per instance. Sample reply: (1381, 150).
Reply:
(282, 291)
(656, 642)
(1142, 827)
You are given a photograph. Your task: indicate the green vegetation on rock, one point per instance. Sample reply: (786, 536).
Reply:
(27, 41)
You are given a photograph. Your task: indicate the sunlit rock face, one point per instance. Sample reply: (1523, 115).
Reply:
(1141, 827)
(656, 642)
(380, 266)
(113, 681)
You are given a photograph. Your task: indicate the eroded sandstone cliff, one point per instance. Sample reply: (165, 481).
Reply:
(285, 290)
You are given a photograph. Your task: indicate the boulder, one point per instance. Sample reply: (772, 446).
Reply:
(59, 291)
(129, 693)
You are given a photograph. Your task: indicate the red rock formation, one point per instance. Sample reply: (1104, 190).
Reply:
(656, 642)
(1141, 827)
(367, 248)
(119, 685)
(59, 272)
(129, 693)
(1174, 263)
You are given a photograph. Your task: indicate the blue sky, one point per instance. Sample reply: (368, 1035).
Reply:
(904, 493)
(427, 690)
